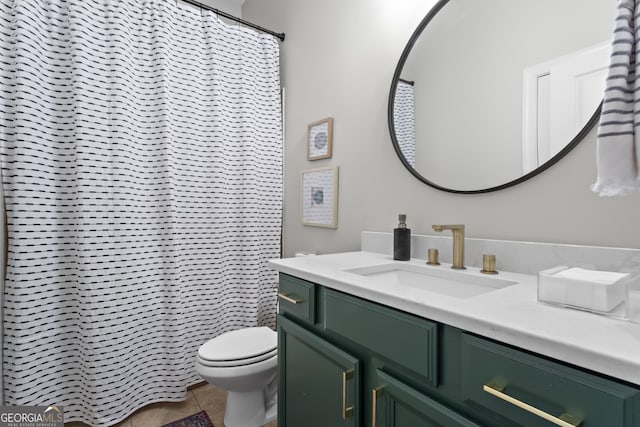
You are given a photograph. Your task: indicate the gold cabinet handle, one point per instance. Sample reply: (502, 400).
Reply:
(290, 299)
(375, 393)
(565, 420)
(347, 411)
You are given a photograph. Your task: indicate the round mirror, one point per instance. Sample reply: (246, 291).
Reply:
(490, 93)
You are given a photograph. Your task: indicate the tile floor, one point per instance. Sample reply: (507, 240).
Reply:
(199, 397)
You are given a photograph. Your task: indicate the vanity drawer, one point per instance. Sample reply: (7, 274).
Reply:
(531, 391)
(297, 298)
(405, 340)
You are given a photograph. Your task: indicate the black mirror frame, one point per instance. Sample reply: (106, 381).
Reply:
(394, 139)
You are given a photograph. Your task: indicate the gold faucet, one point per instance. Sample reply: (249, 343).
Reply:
(458, 244)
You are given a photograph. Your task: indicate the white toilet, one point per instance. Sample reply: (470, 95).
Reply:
(243, 362)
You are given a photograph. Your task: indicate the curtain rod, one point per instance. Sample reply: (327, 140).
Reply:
(233, 18)
(409, 82)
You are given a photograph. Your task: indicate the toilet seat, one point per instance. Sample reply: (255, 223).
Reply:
(237, 362)
(240, 347)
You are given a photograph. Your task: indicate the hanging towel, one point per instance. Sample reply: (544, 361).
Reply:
(618, 143)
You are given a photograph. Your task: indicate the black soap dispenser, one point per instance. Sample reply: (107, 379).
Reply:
(402, 240)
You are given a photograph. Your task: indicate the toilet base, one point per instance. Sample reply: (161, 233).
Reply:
(236, 414)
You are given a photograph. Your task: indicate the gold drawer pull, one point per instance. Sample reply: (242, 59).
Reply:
(565, 420)
(287, 298)
(347, 411)
(375, 393)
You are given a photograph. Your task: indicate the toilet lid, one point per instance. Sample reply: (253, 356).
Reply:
(273, 354)
(247, 343)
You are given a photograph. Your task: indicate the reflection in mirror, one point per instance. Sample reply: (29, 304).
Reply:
(559, 97)
(404, 119)
(502, 87)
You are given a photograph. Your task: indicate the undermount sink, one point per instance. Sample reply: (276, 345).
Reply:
(442, 280)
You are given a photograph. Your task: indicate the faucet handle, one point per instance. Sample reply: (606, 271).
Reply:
(489, 264)
(441, 227)
(432, 257)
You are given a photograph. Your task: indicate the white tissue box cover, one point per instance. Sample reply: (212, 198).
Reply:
(602, 293)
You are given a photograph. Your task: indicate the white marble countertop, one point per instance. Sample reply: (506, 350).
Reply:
(512, 314)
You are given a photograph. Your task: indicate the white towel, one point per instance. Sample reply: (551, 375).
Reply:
(618, 142)
(595, 276)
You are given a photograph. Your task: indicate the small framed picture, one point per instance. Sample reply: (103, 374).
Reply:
(320, 197)
(320, 139)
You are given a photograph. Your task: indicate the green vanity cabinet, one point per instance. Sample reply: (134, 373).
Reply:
(406, 341)
(513, 385)
(322, 383)
(395, 404)
(297, 298)
(346, 361)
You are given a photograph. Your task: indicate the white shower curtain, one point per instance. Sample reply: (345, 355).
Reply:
(142, 165)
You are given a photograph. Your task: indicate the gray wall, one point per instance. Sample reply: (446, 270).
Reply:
(338, 60)
(232, 7)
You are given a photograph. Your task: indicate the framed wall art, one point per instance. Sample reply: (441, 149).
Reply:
(320, 197)
(320, 139)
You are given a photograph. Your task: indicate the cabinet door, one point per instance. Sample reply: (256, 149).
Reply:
(395, 404)
(319, 384)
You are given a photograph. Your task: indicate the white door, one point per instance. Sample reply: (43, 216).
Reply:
(560, 96)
